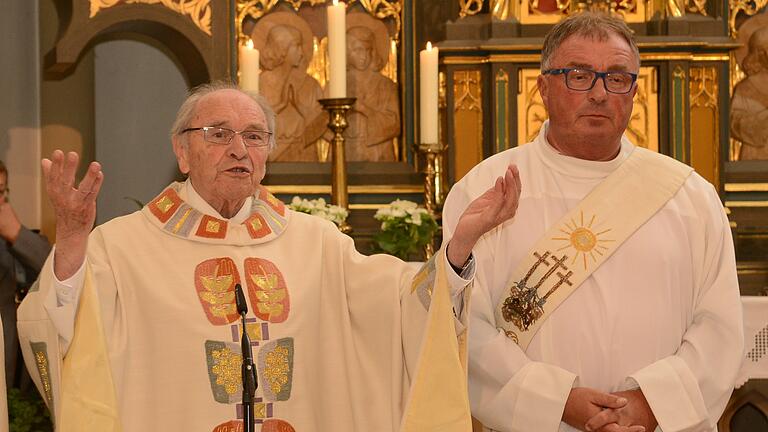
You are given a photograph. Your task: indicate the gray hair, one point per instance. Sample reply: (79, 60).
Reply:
(587, 24)
(189, 107)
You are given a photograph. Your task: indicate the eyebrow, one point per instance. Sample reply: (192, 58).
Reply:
(251, 126)
(612, 68)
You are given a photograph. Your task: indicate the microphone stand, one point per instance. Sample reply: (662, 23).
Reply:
(248, 369)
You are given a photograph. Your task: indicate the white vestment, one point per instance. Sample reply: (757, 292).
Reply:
(336, 335)
(663, 313)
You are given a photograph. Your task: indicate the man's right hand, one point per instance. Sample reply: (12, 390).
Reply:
(75, 208)
(584, 403)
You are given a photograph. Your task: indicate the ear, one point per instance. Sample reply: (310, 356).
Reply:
(543, 85)
(181, 149)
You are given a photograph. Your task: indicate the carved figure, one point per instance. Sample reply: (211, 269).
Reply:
(374, 120)
(749, 107)
(285, 43)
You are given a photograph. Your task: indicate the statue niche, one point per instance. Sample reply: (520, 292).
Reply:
(749, 106)
(374, 119)
(284, 41)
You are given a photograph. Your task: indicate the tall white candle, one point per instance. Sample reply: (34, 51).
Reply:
(249, 67)
(337, 49)
(428, 94)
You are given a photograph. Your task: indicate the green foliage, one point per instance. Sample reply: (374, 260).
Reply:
(27, 412)
(405, 229)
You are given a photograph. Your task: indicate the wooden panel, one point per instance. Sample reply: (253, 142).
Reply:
(468, 120)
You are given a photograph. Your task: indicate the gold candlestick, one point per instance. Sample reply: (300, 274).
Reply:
(430, 152)
(337, 109)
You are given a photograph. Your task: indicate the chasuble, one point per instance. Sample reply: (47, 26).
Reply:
(341, 341)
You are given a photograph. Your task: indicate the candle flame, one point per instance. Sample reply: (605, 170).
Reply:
(249, 44)
(429, 46)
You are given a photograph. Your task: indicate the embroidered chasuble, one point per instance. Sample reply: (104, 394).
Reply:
(662, 313)
(341, 342)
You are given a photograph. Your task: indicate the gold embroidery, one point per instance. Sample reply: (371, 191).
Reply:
(270, 297)
(181, 221)
(254, 331)
(276, 365)
(260, 410)
(212, 226)
(227, 369)
(42, 367)
(219, 294)
(256, 224)
(164, 204)
(583, 240)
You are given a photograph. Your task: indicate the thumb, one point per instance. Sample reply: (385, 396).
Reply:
(609, 401)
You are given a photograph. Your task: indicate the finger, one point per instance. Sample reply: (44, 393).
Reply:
(603, 418)
(516, 175)
(45, 164)
(608, 400)
(97, 186)
(57, 163)
(87, 183)
(70, 166)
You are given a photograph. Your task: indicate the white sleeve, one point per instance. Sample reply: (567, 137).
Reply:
(689, 390)
(507, 391)
(61, 303)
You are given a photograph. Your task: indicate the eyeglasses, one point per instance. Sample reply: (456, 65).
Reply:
(223, 136)
(585, 79)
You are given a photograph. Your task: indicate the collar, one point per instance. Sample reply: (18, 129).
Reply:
(179, 211)
(575, 167)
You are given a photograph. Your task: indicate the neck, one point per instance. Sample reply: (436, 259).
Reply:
(227, 209)
(583, 148)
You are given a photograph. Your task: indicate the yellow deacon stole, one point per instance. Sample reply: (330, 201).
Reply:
(573, 248)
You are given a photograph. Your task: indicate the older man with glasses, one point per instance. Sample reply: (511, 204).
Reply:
(610, 303)
(337, 335)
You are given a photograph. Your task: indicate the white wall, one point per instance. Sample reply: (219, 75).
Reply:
(138, 91)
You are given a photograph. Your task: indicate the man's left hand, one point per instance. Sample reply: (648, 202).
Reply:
(9, 223)
(496, 205)
(635, 412)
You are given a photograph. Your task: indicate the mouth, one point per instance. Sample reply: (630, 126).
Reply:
(238, 170)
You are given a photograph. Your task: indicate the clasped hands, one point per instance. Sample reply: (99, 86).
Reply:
(591, 410)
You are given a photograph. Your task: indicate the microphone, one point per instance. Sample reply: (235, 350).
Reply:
(248, 369)
(242, 306)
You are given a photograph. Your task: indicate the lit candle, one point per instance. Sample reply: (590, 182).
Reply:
(249, 67)
(428, 94)
(337, 49)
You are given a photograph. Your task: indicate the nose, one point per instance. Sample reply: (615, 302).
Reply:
(237, 148)
(598, 93)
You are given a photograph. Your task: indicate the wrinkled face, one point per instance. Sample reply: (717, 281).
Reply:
(594, 115)
(219, 172)
(359, 53)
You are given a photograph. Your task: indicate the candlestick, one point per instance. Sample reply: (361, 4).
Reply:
(249, 67)
(428, 93)
(337, 121)
(337, 49)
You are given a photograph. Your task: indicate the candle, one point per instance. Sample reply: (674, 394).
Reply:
(428, 94)
(337, 49)
(249, 67)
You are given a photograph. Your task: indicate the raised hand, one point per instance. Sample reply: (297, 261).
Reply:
(75, 208)
(493, 207)
(586, 406)
(635, 412)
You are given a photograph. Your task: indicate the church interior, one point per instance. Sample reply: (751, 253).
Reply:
(104, 78)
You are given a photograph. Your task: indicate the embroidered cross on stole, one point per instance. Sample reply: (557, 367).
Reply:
(574, 247)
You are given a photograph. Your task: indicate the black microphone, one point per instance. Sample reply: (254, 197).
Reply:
(242, 306)
(248, 369)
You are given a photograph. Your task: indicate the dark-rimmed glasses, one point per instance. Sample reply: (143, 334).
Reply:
(584, 79)
(223, 136)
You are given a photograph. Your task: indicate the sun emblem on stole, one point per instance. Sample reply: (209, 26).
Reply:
(583, 240)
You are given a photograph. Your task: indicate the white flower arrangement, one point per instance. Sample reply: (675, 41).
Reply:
(405, 228)
(318, 207)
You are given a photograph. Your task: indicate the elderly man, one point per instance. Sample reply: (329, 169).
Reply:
(338, 335)
(610, 302)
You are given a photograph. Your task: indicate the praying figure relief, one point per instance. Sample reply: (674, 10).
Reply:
(749, 106)
(374, 120)
(285, 43)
